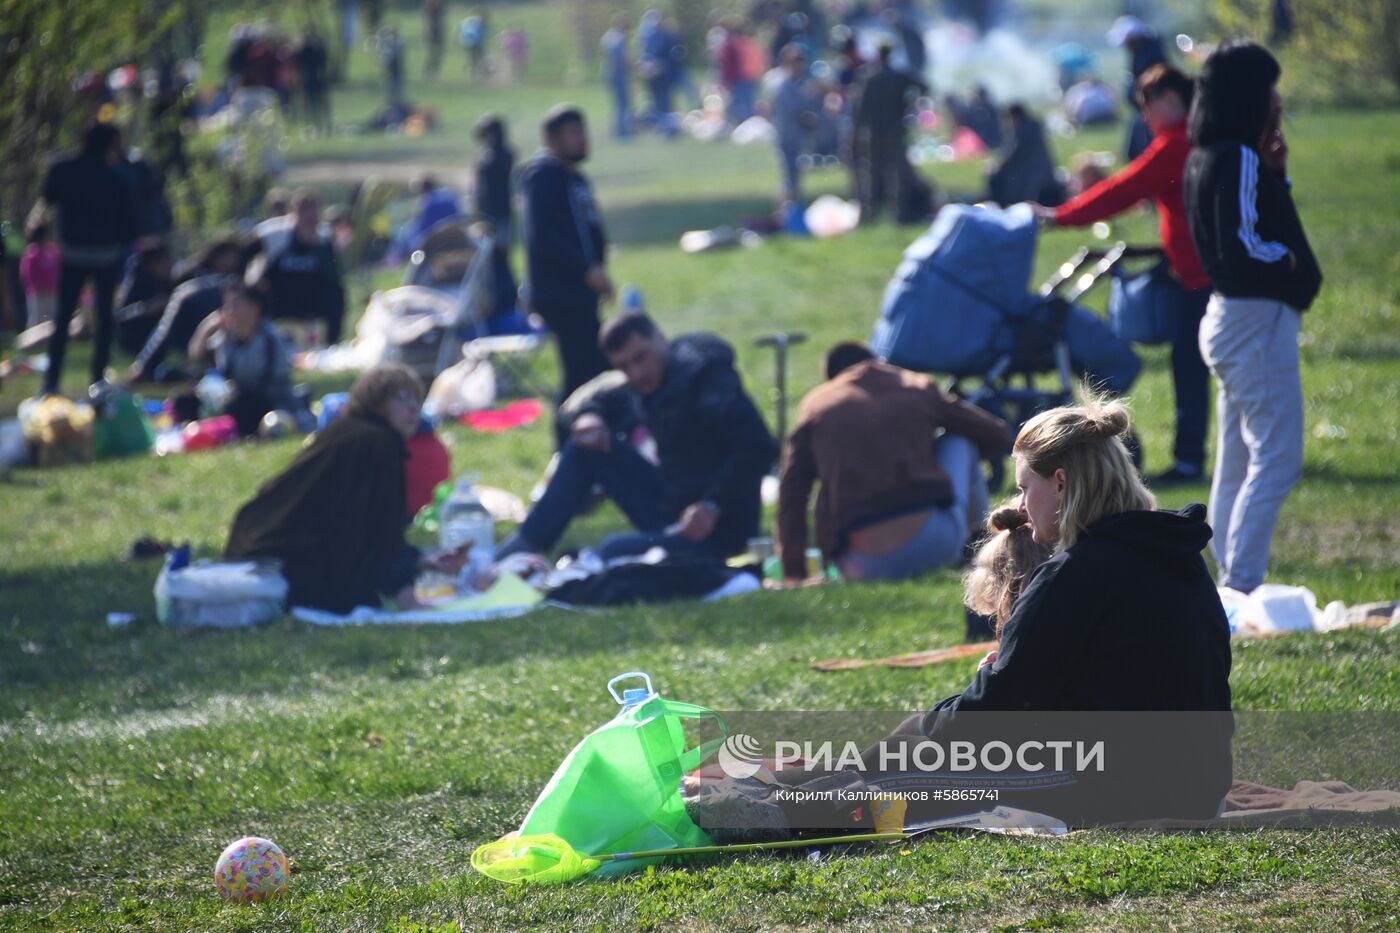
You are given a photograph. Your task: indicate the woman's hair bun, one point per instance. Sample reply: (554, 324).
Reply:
(1006, 518)
(1107, 419)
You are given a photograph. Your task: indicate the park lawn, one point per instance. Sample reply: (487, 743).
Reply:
(378, 758)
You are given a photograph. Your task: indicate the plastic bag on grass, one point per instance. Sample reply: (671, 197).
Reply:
(208, 594)
(619, 789)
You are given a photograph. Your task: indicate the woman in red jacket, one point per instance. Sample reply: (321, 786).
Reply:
(1164, 95)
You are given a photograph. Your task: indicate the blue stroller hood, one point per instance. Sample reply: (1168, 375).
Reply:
(953, 303)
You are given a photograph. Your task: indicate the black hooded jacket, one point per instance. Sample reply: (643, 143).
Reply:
(1246, 228)
(1125, 626)
(1126, 619)
(564, 235)
(711, 441)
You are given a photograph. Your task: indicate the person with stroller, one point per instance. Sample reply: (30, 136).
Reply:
(896, 500)
(701, 497)
(1251, 241)
(1164, 96)
(566, 248)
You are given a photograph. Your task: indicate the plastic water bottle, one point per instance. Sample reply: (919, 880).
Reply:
(213, 391)
(631, 300)
(632, 696)
(465, 521)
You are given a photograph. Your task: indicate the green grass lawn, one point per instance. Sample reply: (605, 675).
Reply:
(379, 758)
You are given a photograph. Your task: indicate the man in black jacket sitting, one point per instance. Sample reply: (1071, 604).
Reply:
(713, 449)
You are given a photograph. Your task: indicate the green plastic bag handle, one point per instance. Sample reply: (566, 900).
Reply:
(692, 758)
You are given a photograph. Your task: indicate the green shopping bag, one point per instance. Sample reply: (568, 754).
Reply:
(121, 429)
(619, 789)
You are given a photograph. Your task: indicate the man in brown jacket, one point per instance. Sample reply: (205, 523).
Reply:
(896, 500)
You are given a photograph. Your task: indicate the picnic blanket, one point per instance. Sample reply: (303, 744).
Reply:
(495, 420)
(1307, 805)
(914, 659)
(508, 597)
(1369, 615)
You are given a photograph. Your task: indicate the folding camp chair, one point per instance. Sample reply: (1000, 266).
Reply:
(456, 259)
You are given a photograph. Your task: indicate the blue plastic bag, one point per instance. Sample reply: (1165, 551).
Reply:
(1145, 308)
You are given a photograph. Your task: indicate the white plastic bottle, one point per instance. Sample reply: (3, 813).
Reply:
(465, 521)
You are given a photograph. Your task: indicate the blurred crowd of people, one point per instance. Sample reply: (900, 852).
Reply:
(1234, 260)
(296, 70)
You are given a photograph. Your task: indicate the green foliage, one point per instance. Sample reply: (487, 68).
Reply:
(45, 47)
(1339, 51)
(229, 174)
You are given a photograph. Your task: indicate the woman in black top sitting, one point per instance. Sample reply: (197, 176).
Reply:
(1123, 618)
(336, 516)
(1119, 637)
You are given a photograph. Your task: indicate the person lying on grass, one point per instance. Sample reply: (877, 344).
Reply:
(336, 516)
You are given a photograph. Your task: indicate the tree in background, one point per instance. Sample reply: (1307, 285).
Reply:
(1355, 42)
(54, 58)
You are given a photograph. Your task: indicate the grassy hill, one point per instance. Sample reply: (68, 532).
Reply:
(378, 758)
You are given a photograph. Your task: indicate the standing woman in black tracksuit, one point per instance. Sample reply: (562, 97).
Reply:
(1251, 242)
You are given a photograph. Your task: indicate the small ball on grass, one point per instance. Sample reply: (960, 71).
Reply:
(251, 870)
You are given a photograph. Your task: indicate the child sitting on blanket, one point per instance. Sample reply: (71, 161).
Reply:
(1003, 566)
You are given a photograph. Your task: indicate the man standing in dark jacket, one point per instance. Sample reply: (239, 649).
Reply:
(1251, 242)
(713, 450)
(96, 225)
(492, 202)
(566, 247)
(491, 195)
(881, 167)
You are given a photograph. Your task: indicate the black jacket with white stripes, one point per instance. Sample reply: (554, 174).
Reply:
(1246, 228)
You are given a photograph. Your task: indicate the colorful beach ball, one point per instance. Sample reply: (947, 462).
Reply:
(250, 870)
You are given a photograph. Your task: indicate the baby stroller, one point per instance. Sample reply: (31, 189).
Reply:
(959, 306)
